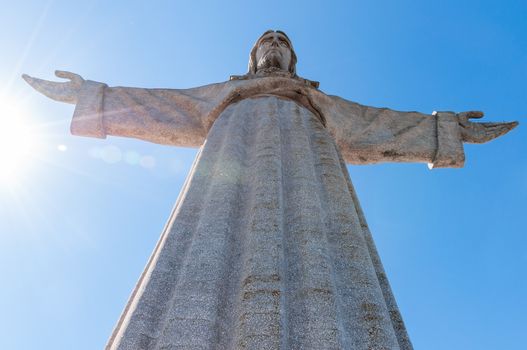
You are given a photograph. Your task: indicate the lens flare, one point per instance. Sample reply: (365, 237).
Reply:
(16, 140)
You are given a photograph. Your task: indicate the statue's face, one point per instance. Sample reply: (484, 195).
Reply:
(273, 51)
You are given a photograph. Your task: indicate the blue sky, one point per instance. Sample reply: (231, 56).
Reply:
(77, 224)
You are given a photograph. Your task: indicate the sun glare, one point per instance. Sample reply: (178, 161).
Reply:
(16, 140)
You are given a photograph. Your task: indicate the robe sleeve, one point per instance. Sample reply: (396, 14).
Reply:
(164, 116)
(368, 135)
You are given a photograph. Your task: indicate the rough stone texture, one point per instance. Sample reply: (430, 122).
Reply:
(267, 247)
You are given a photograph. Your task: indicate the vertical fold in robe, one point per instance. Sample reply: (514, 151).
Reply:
(259, 322)
(311, 304)
(395, 315)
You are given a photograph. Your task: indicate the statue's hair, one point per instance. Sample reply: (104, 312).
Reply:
(252, 57)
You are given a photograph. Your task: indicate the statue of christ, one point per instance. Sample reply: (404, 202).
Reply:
(267, 247)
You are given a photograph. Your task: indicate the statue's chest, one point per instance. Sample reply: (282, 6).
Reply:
(270, 108)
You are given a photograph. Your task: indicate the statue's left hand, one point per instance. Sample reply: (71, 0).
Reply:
(63, 92)
(481, 132)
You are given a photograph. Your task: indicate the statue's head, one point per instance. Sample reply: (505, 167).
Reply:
(273, 50)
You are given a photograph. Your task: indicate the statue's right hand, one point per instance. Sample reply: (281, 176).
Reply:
(63, 92)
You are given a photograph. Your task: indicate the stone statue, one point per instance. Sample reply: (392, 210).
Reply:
(267, 247)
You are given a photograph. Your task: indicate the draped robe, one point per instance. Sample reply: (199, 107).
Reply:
(267, 246)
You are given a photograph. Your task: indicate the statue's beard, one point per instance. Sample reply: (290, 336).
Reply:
(271, 60)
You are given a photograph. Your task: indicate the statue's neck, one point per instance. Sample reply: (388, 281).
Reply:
(274, 72)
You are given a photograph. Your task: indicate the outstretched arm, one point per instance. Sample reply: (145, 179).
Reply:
(368, 135)
(164, 116)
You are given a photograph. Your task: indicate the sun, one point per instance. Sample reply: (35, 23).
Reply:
(16, 140)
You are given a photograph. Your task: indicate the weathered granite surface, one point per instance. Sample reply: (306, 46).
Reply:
(267, 247)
